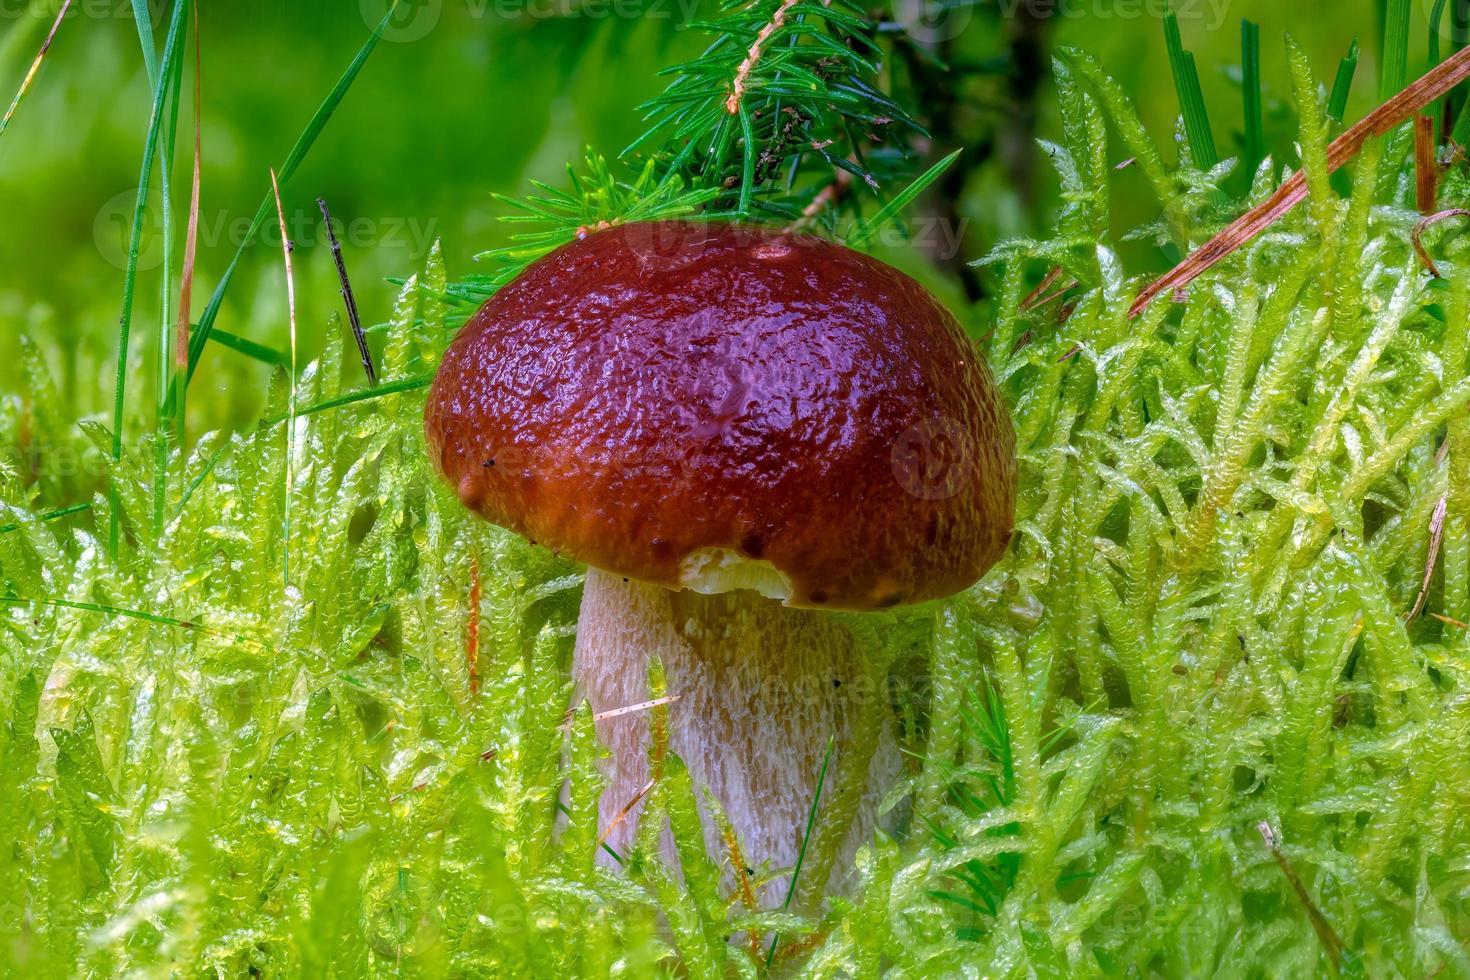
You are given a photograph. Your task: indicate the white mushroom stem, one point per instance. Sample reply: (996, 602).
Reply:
(760, 690)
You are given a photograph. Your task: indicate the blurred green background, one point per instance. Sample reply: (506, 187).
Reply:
(469, 97)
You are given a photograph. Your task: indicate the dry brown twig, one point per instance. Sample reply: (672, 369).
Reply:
(1417, 235)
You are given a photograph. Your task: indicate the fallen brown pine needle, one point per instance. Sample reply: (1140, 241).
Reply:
(1331, 942)
(623, 813)
(1433, 84)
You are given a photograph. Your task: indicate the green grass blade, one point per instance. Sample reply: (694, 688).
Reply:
(1395, 49)
(901, 200)
(143, 18)
(806, 839)
(1461, 133)
(361, 395)
(50, 515)
(173, 82)
(1342, 86)
(284, 173)
(1250, 86)
(130, 276)
(139, 614)
(251, 349)
(1191, 97)
(1436, 17)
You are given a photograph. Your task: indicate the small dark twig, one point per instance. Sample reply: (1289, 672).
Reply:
(353, 318)
(1328, 936)
(1417, 236)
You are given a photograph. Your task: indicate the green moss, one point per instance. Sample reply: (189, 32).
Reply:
(1227, 510)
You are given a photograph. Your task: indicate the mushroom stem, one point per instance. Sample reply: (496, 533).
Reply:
(761, 688)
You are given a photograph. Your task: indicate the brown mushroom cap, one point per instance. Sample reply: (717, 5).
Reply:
(714, 406)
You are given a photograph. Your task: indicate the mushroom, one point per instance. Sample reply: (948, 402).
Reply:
(741, 432)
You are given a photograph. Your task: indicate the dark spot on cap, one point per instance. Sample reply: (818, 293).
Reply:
(931, 530)
(661, 549)
(489, 463)
(819, 596)
(753, 545)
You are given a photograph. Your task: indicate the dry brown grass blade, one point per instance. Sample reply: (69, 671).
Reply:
(35, 69)
(1403, 106)
(1426, 166)
(191, 240)
(286, 248)
(472, 631)
(1436, 539)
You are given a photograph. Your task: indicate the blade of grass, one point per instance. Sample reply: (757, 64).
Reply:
(351, 398)
(251, 349)
(176, 404)
(900, 201)
(147, 617)
(1459, 37)
(1461, 133)
(1380, 121)
(1436, 17)
(1395, 48)
(806, 839)
(286, 248)
(143, 18)
(130, 276)
(1191, 97)
(293, 160)
(198, 481)
(1250, 87)
(35, 68)
(50, 515)
(173, 80)
(1342, 85)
